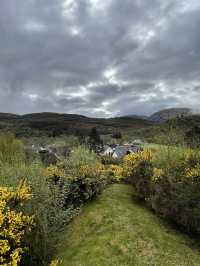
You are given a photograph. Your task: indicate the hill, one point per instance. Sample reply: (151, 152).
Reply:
(54, 124)
(170, 113)
(116, 230)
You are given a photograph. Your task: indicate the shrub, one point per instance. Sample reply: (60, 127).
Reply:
(58, 193)
(138, 170)
(107, 160)
(46, 203)
(14, 225)
(77, 185)
(80, 156)
(170, 187)
(115, 173)
(11, 149)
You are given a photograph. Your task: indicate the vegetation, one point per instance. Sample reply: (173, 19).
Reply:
(37, 202)
(58, 192)
(168, 182)
(53, 125)
(94, 140)
(115, 230)
(14, 225)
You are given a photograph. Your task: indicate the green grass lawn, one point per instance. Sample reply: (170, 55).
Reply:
(114, 230)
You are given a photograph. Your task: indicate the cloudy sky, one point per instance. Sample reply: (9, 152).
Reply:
(99, 57)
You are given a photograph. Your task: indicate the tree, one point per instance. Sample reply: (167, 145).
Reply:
(81, 137)
(117, 135)
(192, 137)
(94, 141)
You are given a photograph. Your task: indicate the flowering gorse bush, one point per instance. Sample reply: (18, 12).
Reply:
(157, 175)
(194, 173)
(55, 263)
(13, 224)
(54, 172)
(132, 162)
(169, 183)
(116, 173)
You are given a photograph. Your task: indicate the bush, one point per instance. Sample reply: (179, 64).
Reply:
(79, 178)
(81, 156)
(107, 160)
(11, 149)
(58, 192)
(170, 187)
(115, 173)
(14, 225)
(138, 170)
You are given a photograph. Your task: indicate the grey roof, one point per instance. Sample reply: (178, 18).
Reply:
(121, 151)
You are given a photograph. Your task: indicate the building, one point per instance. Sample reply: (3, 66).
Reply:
(119, 152)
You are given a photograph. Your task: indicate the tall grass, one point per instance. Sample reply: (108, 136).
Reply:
(46, 204)
(81, 156)
(53, 203)
(11, 150)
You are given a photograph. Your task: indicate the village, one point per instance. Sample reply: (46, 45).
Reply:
(51, 154)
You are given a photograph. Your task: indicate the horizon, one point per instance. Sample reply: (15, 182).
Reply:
(97, 58)
(193, 112)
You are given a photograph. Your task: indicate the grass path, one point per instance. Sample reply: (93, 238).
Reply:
(115, 231)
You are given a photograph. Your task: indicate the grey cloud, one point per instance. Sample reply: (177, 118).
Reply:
(152, 47)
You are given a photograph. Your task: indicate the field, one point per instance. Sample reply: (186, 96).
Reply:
(115, 230)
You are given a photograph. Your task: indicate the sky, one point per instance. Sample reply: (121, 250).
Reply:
(99, 58)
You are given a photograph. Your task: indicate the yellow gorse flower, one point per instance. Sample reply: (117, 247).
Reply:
(54, 171)
(194, 172)
(55, 263)
(116, 171)
(157, 175)
(132, 161)
(13, 224)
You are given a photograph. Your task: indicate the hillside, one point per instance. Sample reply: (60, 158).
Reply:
(56, 124)
(170, 113)
(114, 230)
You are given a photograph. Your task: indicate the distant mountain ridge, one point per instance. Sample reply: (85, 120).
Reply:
(170, 113)
(54, 124)
(166, 114)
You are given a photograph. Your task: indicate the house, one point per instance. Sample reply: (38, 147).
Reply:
(108, 151)
(119, 152)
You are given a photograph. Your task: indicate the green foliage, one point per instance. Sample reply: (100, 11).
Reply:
(170, 184)
(117, 135)
(107, 160)
(115, 230)
(80, 177)
(192, 137)
(11, 149)
(94, 139)
(55, 201)
(14, 224)
(81, 156)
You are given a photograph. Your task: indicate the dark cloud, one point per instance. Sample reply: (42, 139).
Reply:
(99, 57)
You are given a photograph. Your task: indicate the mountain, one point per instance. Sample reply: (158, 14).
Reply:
(139, 116)
(53, 124)
(167, 114)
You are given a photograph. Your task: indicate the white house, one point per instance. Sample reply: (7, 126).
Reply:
(108, 151)
(119, 152)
